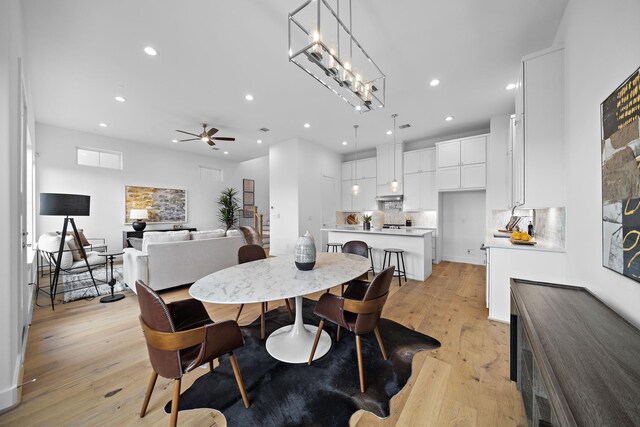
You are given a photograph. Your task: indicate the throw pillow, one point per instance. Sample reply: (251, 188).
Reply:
(135, 242)
(50, 242)
(73, 247)
(163, 237)
(233, 232)
(208, 234)
(83, 240)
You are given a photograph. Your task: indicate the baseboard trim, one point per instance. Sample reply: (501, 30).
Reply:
(9, 397)
(464, 260)
(499, 320)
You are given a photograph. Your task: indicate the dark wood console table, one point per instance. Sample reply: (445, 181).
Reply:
(140, 234)
(576, 361)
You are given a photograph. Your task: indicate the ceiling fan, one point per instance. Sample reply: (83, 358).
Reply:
(206, 136)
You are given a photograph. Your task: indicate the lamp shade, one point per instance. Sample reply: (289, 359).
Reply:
(56, 204)
(138, 214)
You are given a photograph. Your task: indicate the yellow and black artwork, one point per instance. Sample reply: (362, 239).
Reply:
(620, 148)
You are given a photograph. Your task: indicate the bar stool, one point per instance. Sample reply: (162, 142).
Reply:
(399, 256)
(372, 270)
(334, 247)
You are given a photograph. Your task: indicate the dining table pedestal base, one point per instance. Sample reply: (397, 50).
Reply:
(293, 343)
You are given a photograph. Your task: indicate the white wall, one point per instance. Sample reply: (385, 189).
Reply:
(296, 168)
(147, 165)
(463, 226)
(601, 50)
(498, 171)
(283, 195)
(11, 50)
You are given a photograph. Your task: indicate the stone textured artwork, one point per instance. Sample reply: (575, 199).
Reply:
(620, 150)
(163, 204)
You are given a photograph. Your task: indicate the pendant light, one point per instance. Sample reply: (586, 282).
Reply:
(356, 188)
(394, 183)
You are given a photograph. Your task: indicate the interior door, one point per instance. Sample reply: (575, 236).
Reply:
(328, 208)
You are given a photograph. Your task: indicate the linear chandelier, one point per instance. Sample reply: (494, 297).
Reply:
(325, 48)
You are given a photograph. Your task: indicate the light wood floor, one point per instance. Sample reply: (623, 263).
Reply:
(91, 363)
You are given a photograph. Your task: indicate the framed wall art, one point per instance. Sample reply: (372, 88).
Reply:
(620, 150)
(163, 204)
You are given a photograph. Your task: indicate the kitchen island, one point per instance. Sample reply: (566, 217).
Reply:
(416, 244)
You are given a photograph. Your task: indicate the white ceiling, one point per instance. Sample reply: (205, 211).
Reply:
(212, 53)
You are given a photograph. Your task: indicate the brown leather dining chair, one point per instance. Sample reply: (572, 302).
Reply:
(358, 315)
(180, 337)
(249, 253)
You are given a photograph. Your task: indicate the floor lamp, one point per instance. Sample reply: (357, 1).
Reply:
(55, 204)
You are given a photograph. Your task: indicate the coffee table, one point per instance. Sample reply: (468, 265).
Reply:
(275, 279)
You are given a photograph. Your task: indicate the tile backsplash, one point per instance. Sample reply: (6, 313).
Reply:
(548, 224)
(395, 216)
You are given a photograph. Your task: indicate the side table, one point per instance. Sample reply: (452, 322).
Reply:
(113, 297)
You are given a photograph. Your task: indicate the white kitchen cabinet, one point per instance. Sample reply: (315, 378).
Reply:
(365, 200)
(365, 168)
(528, 264)
(538, 150)
(448, 154)
(348, 171)
(473, 151)
(385, 168)
(420, 161)
(346, 196)
(461, 164)
(420, 192)
(449, 178)
(473, 176)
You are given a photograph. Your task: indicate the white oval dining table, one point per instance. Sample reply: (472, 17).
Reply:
(278, 278)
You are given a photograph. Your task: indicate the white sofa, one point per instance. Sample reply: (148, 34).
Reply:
(169, 259)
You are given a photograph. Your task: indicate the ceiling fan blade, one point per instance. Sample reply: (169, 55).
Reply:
(190, 139)
(212, 131)
(214, 148)
(188, 133)
(223, 138)
(211, 143)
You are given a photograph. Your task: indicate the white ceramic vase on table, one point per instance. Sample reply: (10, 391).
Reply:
(377, 220)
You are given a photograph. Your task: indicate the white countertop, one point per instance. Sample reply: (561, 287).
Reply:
(505, 243)
(408, 232)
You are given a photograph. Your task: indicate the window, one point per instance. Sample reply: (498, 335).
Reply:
(210, 174)
(99, 158)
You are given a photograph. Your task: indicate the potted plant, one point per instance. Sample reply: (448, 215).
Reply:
(366, 222)
(229, 207)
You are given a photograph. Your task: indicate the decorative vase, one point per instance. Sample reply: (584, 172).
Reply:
(366, 226)
(139, 225)
(377, 220)
(305, 252)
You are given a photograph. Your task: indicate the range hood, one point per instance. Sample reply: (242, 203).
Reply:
(390, 198)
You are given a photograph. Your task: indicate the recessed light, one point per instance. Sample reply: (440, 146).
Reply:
(150, 51)
(226, 152)
(510, 86)
(434, 82)
(389, 132)
(358, 107)
(248, 97)
(119, 99)
(448, 118)
(307, 125)
(103, 125)
(344, 142)
(259, 141)
(174, 140)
